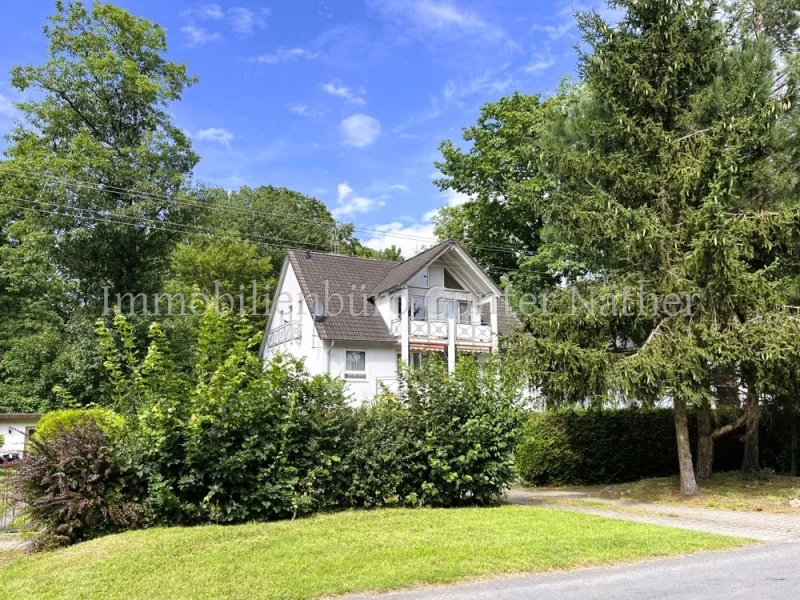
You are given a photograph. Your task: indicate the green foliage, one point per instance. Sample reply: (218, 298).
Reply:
(594, 446)
(589, 447)
(544, 455)
(74, 486)
(94, 162)
(229, 441)
(444, 440)
(504, 153)
(100, 118)
(57, 422)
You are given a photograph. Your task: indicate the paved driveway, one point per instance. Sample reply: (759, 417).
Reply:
(765, 572)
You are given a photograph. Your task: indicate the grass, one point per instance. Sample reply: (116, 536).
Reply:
(724, 490)
(340, 553)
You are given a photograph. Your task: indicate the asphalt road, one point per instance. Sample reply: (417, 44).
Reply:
(770, 572)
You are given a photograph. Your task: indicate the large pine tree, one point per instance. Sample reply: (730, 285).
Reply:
(675, 177)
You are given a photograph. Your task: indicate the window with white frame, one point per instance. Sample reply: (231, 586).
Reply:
(355, 366)
(416, 308)
(465, 312)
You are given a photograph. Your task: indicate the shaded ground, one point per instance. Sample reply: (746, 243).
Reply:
(723, 490)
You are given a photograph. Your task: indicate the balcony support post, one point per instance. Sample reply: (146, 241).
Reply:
(494, 322)
(404, 327)
(451, 345)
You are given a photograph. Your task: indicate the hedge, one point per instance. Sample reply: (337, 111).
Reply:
(592, 447)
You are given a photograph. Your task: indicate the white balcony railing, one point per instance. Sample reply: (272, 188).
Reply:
(283, 334)
(397, 327)
(474, 333)
(439, 330)
(428, 329)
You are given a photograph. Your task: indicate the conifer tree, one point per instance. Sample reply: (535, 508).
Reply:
(676, 178)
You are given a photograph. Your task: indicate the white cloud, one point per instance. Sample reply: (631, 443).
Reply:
(344, 191)
(437, 17)
(319, 191)
(284, 55)
(411, 239)
(540, 62)
(451, 198)
(455, 92)
(204, 12)
(556, 32)
(359, 130)
(198, 36)
(244, 20)
(352, 96)
(414, 237)
(7, 109)
(215, 134)
(298, 109)
(348, 204)
(398, 186)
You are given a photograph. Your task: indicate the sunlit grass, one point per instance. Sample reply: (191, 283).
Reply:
(340, 553)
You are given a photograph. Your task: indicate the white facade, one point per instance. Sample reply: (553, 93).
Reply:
(13, 428)
(453, 290)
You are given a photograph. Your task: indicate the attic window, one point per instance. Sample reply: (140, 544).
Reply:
(450, 282)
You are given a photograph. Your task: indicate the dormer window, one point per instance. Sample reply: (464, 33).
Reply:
(450, 282)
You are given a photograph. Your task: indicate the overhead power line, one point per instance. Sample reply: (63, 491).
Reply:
(243, 211)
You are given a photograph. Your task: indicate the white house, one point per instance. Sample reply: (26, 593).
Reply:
(357, 318)
(14, 429)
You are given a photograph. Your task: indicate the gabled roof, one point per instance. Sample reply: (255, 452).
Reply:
(405, 270)
(314, 269)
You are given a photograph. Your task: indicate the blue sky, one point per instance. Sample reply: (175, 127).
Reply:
(344, 100)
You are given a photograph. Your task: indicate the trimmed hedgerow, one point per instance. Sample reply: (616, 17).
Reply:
(589, 447)
(584, 447)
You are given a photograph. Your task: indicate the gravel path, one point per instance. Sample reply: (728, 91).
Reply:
(767, 527)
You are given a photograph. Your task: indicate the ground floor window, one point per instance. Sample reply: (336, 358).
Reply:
(355, 364)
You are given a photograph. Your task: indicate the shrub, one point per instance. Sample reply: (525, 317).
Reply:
(74, 487)
(65, 420)
(231, 441)
(444, 440)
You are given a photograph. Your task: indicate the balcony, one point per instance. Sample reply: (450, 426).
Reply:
(283, 334)
(438, 330)
(474, 333)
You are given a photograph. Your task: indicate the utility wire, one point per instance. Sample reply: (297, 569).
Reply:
(35, 175)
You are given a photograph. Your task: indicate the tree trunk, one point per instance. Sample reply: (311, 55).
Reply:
(793, 471)
(705, 441)
(750, 461)
(688, 482)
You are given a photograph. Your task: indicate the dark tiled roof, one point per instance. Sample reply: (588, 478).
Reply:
(405, 270)
(341, 273)
(5, 417)
(507, 321)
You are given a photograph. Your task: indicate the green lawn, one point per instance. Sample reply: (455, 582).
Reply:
(339, 553)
